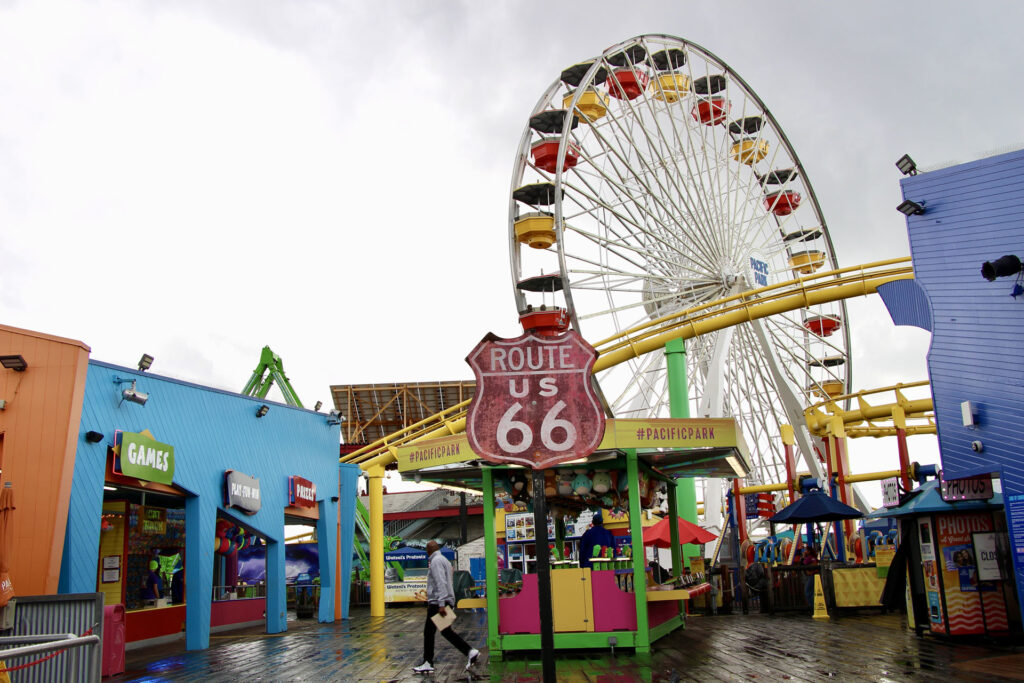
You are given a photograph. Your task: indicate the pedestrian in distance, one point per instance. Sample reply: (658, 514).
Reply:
(594, 537)
(810, 564)
(440, 599)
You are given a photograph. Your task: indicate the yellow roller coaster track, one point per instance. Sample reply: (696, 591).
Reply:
(916, 416)
(755, 304)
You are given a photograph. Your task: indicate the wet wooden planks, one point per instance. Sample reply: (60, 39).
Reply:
(726, 648)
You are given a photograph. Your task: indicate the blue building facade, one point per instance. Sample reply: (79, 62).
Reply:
(213, 431)
(973, 213)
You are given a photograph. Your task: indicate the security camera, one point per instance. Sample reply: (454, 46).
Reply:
(135, 396)
(977, 446)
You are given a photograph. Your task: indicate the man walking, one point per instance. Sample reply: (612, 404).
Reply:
(440, 598)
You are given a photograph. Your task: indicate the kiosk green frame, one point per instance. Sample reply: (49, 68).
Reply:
(663, 449)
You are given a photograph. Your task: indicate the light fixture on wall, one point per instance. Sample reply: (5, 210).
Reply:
(910, 208)
(131, 394)
(906, 165)
(317, 406)
(145, 362)
(15, 362)
(93, 437)
(262, 410)
(1001, 267)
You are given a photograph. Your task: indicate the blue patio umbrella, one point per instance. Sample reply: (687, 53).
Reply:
(815, 507)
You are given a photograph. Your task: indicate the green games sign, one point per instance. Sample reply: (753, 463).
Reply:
(143, 457)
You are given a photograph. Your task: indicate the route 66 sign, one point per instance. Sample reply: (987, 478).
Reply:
(534, 403)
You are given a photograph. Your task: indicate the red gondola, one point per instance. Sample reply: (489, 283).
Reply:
(627, 84)
(711, 111)
(545, 155)
(783, 202)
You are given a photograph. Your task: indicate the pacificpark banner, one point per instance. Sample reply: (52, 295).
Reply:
(443, 451)
(619, 433)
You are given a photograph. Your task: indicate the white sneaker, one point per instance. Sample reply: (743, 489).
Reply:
(424, 668)
(473, 655)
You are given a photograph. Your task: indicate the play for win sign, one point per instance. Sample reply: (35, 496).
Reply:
(143, 457)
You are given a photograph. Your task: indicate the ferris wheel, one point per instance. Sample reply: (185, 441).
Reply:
(650, 180)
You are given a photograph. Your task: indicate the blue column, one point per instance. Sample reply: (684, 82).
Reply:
(277, 605)
(200, 530)
(349, 494)
(326, 524)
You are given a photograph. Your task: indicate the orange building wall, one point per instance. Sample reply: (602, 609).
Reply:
(38, 439)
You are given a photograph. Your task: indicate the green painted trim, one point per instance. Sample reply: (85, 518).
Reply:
(639, 559)
(491, 560)
(666, 628)
(569, 641)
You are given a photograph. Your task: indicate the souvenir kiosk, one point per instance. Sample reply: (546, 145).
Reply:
(600, 608)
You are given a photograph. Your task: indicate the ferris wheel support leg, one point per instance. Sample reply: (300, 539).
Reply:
(899, 420)
(842, 466)
(679, 406)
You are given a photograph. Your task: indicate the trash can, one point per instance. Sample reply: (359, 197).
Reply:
(113, 640)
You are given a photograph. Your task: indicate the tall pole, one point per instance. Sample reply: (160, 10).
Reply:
(375, 488)
(679, 407)
(899, 420)
(547, 624)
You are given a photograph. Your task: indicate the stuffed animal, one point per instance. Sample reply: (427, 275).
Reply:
(581, 485)
(517, 484)
(602, 482)
(565, 483)
(550, 485)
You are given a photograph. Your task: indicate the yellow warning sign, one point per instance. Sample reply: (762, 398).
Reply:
(820, 609)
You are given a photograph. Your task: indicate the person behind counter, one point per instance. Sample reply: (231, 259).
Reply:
(153, 585)
(593, 537)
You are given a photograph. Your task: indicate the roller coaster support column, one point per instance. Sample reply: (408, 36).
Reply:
(788, 441)
(679, 406)
(842, 467)
(375, 487)
(899, 420)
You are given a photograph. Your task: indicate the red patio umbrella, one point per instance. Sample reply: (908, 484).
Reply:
(6, 534)
(659, 534)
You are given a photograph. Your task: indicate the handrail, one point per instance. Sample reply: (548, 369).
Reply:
(59, 642)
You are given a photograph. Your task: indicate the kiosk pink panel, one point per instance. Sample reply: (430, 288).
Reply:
(520, 613)
(660, 612)
(614, 610)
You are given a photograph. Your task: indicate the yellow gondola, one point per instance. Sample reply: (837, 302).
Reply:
(593, 104)
(749, 150)
(806, 262)
(536, 229)
(671, 87)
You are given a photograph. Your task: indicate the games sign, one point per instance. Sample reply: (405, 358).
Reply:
(535, 404)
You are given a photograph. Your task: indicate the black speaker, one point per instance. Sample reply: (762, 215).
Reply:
(93, 437)
(1001, 267)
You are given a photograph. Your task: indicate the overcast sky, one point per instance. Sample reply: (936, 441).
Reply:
(195, 180)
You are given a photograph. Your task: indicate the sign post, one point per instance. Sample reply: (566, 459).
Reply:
(535, 406)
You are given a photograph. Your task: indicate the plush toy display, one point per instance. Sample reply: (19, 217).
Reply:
(581, 485)
(550, 485)
(519, 486)
(602, 482)
(565, 483)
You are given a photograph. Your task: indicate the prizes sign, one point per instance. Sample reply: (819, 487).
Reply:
(301, 492)
(535, 404)
(145, 458)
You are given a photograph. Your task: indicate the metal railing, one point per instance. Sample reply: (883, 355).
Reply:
(52, 645)
(221, 593)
